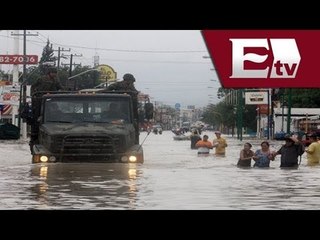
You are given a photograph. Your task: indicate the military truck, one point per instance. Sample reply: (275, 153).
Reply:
(81, 126)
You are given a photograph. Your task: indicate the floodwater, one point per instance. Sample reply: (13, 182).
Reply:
(172, 177)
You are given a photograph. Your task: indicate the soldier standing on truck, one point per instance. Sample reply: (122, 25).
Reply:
(128, 85)
(49, 82)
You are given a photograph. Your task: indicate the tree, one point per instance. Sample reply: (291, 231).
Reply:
(304, 98)
(86, 80)
(33, 73)
(223, 113)
(223, 92)
(249, 117)
(47, 58)
(301, 98)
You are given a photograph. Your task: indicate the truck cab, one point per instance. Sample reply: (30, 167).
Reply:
(90, 126)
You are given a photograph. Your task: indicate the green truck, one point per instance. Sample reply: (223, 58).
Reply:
(86, 126)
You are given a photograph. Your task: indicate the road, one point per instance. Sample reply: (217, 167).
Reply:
(172, 177)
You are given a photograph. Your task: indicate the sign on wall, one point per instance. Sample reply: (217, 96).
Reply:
(255, 98)
(18, 59)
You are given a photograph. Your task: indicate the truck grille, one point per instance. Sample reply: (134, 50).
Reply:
(95, 145)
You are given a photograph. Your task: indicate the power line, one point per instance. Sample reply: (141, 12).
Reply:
(135, 51)
(151, 61)
(43, 36)
(122, 50)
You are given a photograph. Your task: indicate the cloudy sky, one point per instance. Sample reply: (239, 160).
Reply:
(168, 65)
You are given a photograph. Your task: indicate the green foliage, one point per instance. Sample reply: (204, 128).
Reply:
(277, 93)
(225, 114)
(304, 98)
(249, 117)
(33, 73)
(63, 75)
(222, 92)
(46, 58)
(87, 80)
(219, 114)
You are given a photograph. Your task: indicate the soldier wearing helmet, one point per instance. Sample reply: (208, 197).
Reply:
(49, 82)
(127, 84)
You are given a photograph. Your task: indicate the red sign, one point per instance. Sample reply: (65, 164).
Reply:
(265, 58)
(18, 59)
(262, 108)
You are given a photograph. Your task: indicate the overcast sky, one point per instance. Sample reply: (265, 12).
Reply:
(167, 65)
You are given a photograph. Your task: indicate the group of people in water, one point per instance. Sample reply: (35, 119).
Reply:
(204, 145)
(290, 151)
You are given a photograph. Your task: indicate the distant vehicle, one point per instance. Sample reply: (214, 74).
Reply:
(181, 137)
(9, 131)
(208, 128)
(186, 126)
(157, 129)
(279, 135)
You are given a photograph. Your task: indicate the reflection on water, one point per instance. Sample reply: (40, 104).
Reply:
(86, 186)
(172, 177)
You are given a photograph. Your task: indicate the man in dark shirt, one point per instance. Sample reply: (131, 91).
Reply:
(195, 137)
(290, 152)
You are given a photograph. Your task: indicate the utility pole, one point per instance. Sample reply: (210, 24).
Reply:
(282, 119)
(271, 115)
(71, 62)
(70, 66)
(239, 114)
(268, 116)
(289, 110)
(15, 78)
(59, 56)
(23, 86)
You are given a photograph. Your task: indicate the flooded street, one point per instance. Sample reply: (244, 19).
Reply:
(172, 177)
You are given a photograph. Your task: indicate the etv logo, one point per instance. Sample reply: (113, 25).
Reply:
(273, 58)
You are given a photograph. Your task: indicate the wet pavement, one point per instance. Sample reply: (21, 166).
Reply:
(172, 177)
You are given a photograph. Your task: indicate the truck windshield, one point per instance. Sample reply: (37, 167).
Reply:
(101, 110)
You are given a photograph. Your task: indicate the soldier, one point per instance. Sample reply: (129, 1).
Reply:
(128, 85)
(47, 83)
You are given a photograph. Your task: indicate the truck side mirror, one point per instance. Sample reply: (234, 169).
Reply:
(148, 108)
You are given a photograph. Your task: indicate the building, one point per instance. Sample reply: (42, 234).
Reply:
(302, 119)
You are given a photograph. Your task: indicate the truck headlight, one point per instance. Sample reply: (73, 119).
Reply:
(132, 158)
(124, 159)
(44, 158)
